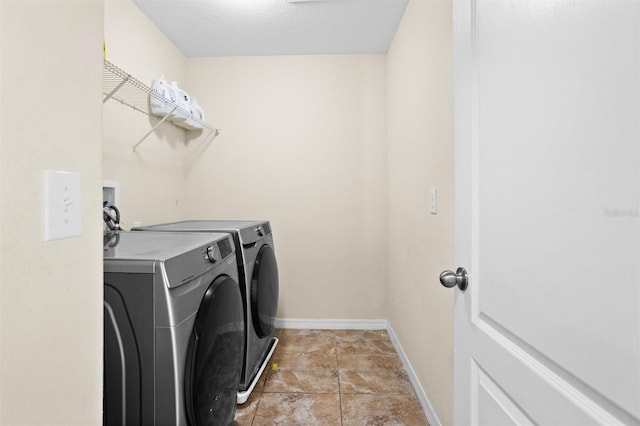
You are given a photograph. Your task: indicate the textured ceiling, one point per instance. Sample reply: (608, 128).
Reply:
(276, 27)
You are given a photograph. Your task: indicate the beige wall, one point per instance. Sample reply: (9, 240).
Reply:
(310, 134)
(303, 144)
(324, 147)
(50, 292)
(151, 179)
(420, 157)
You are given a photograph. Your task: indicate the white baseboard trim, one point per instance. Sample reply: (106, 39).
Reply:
(377, 324)
(429, 412)
(332, 324)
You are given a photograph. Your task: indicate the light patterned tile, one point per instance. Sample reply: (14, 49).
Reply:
(303, 373)
(379, 410)
(247, 411)
(378, 374)
(300, 385)
(320, 342)
(298, 409)
(367, 362)
(369, 342)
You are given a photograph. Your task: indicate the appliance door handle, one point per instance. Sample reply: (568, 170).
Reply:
(249, 245)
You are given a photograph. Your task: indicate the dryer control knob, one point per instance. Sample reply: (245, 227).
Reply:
(211, 254)
(259, 231)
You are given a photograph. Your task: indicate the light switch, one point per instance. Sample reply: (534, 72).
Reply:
(434, 201)
(62, 205)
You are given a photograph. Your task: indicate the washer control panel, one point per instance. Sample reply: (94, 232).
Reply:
(218, 251)
(201, 259)
(213, 254)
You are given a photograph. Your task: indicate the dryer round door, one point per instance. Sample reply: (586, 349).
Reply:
(215, 355)
(264, 292)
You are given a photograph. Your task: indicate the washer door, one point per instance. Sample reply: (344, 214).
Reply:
(264, 292)
(128, 350)
(215, 355)
(122, 370)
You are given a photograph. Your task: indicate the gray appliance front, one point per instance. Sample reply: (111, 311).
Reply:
(151, 309)
(258, 275)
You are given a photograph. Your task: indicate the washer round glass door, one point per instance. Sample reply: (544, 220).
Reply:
(215, 355)
(264, 292)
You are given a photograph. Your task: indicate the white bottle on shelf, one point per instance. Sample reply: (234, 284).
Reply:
(183, 112)
(196, 121)
(162, 98)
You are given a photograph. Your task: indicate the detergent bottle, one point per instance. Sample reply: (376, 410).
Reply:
(196, 118)
(162, 98)
(183, 112)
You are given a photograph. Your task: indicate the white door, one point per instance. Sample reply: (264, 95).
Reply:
(547, 158)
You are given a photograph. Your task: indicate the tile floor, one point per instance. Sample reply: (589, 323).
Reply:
(333, 377)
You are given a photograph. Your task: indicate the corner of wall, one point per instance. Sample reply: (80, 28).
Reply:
(151, 180)
(420, 157)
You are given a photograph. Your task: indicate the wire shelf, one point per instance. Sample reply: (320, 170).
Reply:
(128, 90)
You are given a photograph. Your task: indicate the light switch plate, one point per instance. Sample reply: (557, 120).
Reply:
(62, 205)
(434, 201)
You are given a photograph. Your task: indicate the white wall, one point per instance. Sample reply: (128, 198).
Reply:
(303, 144)
(420, 157)
(50, 292)
(151, 179)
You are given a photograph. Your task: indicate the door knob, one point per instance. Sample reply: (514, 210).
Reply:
(459, 278)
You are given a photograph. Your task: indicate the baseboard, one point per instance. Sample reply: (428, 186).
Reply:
(332, 324)
(377, 324)
(429, 412)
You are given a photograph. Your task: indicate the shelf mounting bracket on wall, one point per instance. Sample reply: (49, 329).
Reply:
(153, 128)
(115, 89)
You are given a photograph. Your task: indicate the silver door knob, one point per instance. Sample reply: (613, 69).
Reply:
(459, 278)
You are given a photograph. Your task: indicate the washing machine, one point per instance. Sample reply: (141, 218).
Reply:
(258, 274)
(174, 334)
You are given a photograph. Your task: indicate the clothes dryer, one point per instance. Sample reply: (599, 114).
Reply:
(174, 332)
(258, 274)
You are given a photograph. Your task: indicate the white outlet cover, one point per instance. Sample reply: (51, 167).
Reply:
(62, 205)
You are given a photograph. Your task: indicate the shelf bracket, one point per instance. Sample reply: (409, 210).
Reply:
(154, 127)
(113, 92)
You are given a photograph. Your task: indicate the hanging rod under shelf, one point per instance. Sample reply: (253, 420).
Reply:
(128, 90)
